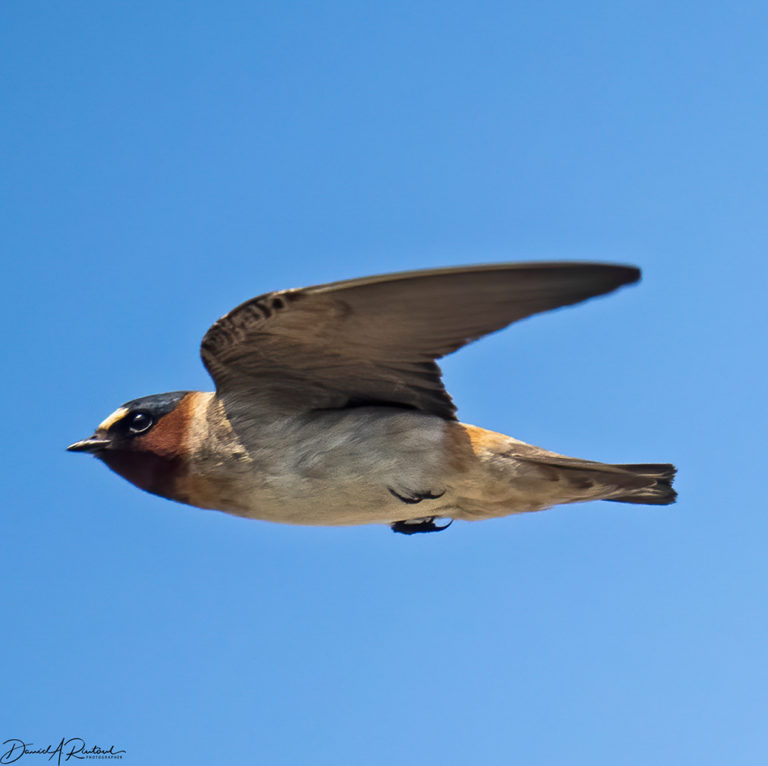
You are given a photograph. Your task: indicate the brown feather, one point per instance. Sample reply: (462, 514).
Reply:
(375, 340)
(157, 460)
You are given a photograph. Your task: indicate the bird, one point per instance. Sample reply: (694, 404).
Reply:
(330, 409)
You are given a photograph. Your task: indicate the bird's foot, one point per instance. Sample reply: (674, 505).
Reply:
(414, 497)
(417, 526)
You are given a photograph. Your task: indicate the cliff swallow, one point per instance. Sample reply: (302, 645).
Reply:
(329, 408)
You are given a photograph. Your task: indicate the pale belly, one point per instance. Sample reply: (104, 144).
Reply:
(374, 466)
(343, 470)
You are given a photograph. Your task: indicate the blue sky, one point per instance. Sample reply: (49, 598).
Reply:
(164, 161)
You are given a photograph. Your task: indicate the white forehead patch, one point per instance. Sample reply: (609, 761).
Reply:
(118, 414)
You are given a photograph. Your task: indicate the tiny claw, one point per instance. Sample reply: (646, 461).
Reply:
(419, 526)
(415, 497)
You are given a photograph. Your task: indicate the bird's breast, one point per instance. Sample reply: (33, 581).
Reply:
(329, 468)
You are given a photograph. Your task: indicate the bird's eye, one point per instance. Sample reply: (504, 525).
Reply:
(140, 422)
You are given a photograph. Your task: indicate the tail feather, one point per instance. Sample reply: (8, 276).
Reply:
(642, 483)
(658, 493)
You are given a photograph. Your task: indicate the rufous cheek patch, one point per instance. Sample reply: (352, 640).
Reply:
(168, 438)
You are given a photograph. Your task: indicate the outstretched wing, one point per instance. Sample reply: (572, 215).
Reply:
(375, 340)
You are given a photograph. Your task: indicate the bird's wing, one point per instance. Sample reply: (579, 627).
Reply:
(375, 340)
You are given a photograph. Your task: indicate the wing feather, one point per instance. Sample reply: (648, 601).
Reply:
(376, 339)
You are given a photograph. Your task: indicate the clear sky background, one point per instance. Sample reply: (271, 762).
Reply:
(163, 161)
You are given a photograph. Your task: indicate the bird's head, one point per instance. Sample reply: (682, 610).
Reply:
(146, 440)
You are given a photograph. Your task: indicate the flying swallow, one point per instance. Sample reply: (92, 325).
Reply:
(330, 409)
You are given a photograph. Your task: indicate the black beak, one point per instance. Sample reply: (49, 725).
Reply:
(92, 444)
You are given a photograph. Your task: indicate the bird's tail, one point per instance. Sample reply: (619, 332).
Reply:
(659, 492)
(643, 483)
